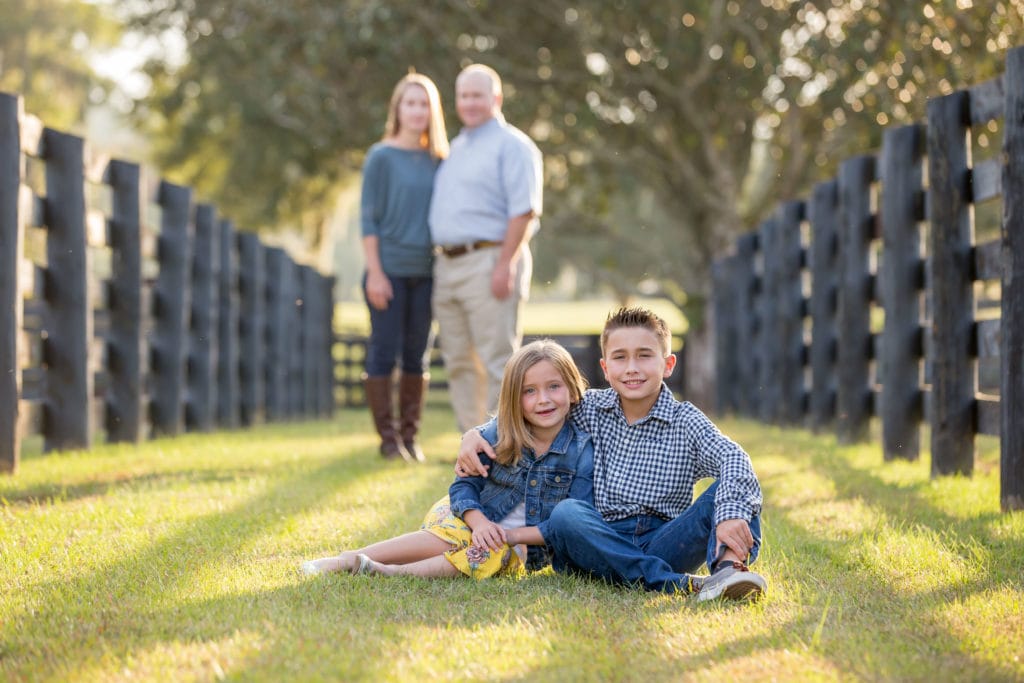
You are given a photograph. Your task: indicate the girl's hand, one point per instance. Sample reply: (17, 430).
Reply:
(489, 535)
(468, 464)
(378, 290)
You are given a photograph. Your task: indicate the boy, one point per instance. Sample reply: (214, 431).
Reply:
(649, 450)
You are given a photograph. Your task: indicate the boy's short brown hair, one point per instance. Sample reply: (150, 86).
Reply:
(635, 316)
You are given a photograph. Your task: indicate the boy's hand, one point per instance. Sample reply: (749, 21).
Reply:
(468, 464)
(735, 534)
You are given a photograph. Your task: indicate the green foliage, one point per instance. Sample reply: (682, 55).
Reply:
(44, 51)
(668, 126)
(176, 560)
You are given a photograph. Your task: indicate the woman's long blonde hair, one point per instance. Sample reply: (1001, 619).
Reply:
(435, 139)
(513, 431)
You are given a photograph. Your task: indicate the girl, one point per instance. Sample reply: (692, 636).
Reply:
(479, 529)
(398, 179)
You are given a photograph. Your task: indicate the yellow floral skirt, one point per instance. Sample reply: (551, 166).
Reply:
(473, 561)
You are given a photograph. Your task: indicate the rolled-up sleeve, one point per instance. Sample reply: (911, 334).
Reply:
(374, 195)
(739, 492)
(464, 493)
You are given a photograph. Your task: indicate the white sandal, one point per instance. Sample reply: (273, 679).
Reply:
(310, 568)
(365, 565)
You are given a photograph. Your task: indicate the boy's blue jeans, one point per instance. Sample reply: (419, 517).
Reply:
(643, 550)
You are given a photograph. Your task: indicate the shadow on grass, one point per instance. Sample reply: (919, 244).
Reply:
(354, 627)
(110, 610)
(52, 493)
(903, 631)
(908, 504)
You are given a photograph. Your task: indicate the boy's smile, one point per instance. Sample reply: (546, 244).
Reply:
(635, 365)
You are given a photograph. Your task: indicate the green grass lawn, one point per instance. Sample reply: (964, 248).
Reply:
(176, 560)
(539, 317)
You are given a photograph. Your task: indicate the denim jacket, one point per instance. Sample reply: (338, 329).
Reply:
(565, 471)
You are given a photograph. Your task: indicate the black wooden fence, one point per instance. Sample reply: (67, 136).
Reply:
(127, 306)
(876, 298)
(585, 350)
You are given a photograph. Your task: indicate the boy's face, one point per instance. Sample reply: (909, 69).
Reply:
(634, 365)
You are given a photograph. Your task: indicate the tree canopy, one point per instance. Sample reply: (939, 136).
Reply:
(668, 126)
(45, 47)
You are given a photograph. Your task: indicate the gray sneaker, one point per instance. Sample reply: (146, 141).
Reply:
(734, 582)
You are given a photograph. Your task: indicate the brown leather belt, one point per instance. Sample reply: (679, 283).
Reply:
(460, 249)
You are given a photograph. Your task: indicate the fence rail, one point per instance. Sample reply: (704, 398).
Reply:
(585, 349)
(127, 306)
(874, 297)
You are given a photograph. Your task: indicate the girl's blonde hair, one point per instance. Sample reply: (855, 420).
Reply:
(513, 431)
(435, 139)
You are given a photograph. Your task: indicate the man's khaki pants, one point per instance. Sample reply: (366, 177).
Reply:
(478, 332)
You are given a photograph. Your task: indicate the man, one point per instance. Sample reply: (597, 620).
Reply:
(486, 201)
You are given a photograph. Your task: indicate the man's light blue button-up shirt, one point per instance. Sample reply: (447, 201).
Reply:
(493, 173)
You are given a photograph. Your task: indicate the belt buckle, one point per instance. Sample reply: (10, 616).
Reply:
(455, 250)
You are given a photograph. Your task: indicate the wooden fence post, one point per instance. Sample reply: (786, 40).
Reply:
(310, 340)
(227, 332)
(324, 366)
(726, 347)
(902, 277)
(854, 330)
(171, 293)
(748, 325)
(68, 421)
(124, 409)
(784, 260)
(328, 368)
(12, 239)
(277, 294)
(295, 340)
(953, 376)
(1011, 399)
(252, 328)
(768, 351)
(823, 213)
(201, 407)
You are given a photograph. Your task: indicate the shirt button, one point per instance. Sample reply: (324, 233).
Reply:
(558, 479)
(533, 482)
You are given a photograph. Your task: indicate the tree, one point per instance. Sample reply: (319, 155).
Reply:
(668, 126)
(45, 47)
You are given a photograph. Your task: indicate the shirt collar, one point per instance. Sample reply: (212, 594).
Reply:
(661, 410)
(494, 122)
(561, 443)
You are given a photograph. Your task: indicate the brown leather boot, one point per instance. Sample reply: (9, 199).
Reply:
(412, 391)
(378, 397)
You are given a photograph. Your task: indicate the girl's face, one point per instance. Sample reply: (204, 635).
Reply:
(545, 400)
(414, 109)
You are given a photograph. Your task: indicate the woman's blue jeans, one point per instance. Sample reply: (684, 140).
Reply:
(644, 551)
(400, 332)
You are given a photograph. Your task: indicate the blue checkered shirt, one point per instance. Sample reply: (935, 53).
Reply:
(650, 467)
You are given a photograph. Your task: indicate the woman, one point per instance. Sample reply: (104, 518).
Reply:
(398, 178)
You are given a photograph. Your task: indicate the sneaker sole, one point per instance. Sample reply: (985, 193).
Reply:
(741, 590)
(745, 590)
